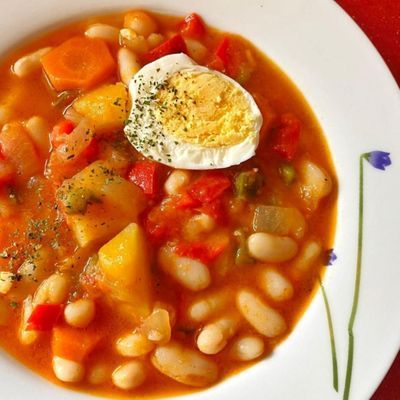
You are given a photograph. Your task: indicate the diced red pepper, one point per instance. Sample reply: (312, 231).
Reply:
(146, 175)
(226, 57)
(209, 187)
(288, 137)
(44, 317)
(217, 64)
(205, 252)
(192, 26)
(64, 127)
(174, 45)
(230, 58)
(223, 51)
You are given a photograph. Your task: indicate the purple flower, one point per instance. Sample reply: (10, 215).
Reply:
(330, 257)
(378, 159)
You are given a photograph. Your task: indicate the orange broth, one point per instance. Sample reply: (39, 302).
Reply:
(37, 222)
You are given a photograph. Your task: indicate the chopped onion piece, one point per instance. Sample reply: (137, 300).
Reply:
(279, 220)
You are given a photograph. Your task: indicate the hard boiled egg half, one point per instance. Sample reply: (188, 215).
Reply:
(188, 116)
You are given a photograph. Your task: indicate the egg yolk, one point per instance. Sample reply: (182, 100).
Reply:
(204, 109)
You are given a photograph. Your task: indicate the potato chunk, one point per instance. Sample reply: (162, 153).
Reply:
(98, 203)
(125, 264)
(106, 107)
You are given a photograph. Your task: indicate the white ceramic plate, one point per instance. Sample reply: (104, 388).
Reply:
(358, 104)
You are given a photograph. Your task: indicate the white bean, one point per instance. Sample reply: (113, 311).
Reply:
(53, 290)
(196, 50)
(98, 374)
(155, 39)
(197, 225)
(134, 345)
(58, 288)
(6, 281)
(263, 318)
(184, 365)
(80, 313)
(133, 41)
(67, 370)
(267, 247)
(176, 182)
(128, 65)
(103, 31)
(275, 285)
(29, 63)
(4, 312)
(190, 273)
(315, 183)
(39, 131)
(27, 337)
(157, 326)
(214, 336)
(309, 254)
(208, 305)
(246, 348)
(161, 305)
(141, 22)
(129, 375)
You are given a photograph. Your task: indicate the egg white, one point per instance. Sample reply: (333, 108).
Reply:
(153, 140)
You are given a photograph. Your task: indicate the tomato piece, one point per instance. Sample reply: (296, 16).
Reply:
(64, 127)
(192, 26)
(205, 252)
(215, 209)
(44, 317)
(146, 175)
(160, 224)
(174, 45)
(185, 201)
(165, 221)
(288, 137)
(209, 187)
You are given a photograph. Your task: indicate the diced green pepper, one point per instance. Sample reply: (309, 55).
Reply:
(287, 173)
(242, 253)
(248, 183)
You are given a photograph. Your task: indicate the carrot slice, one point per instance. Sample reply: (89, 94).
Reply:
(78, 63)
(74, 344)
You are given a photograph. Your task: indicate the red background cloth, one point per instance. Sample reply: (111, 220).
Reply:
(380, 20)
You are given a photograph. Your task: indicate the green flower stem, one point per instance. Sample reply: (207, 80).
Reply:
(332, 338)
(350, 349)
